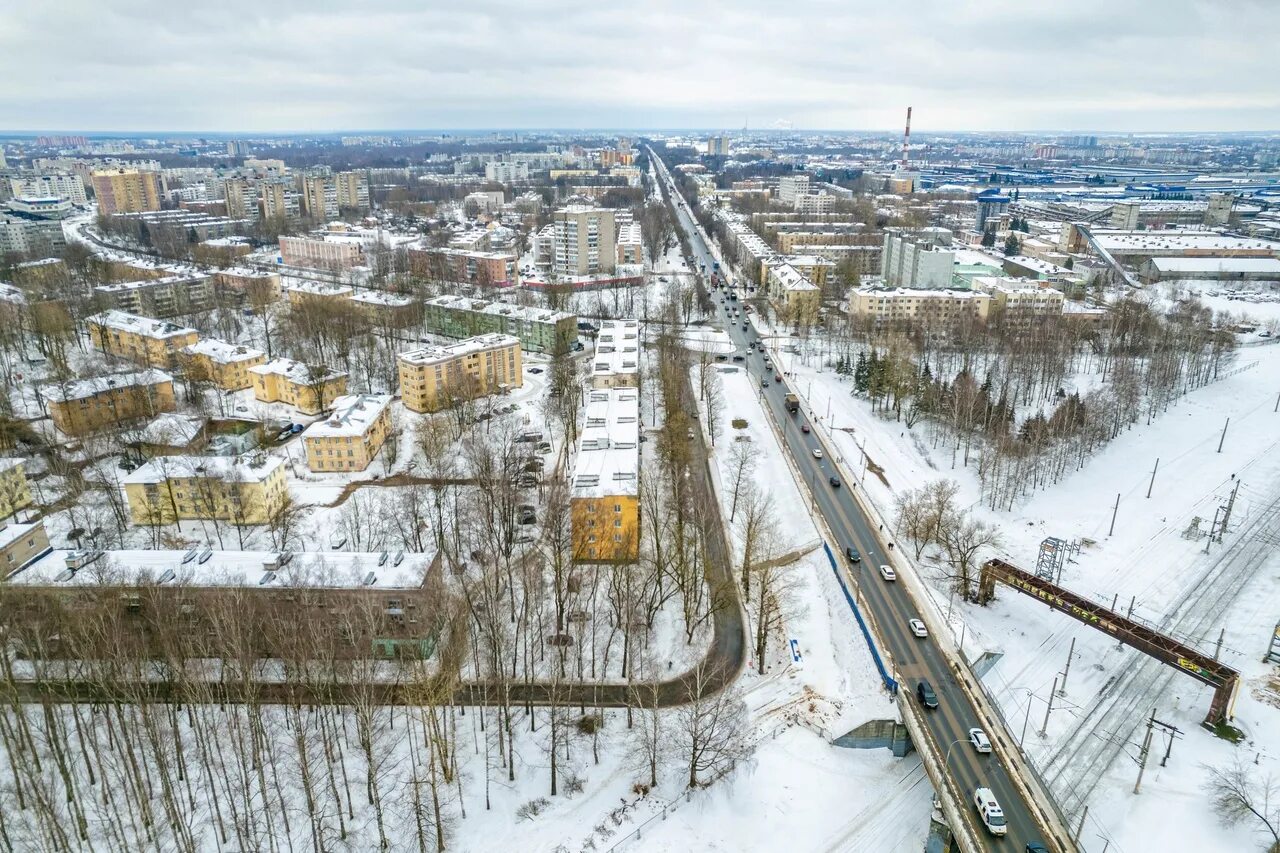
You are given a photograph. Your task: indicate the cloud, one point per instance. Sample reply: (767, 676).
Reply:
(287, 65)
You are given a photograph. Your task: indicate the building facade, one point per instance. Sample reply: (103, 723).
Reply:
(126, 190)
(585, 241)
(225, 365)
(142, 340)
(169, 489)
(351, 436)
(21, 545)
(604, 501)
(539, 329)
(432, 378)
(83, 406)
(15, 491)
(308, 388)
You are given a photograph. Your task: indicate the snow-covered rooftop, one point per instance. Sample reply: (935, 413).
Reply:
(122, 321)
(77, 389)
(352, 415)
(432, 354)
(608, 459)
(226, 468)
(222, 352)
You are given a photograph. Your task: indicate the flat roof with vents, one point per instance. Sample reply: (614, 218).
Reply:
(607, 461)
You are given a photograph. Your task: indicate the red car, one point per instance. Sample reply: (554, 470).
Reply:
(804, 428)
(777, 377)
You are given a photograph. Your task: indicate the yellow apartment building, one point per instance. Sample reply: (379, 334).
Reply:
(83, 406)
(176, 488)
(225, 365)
(15, 491)
(604, 501)
(150, 343)
(126, 190)
(20, 545)
(432, 377)
(308, 388)
(351, 436)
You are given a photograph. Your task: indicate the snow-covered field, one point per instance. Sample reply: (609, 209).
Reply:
(1097, 722)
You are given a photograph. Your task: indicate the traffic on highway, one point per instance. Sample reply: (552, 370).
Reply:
(999, 815)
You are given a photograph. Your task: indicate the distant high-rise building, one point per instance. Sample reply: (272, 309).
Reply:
(239, 195)
(718, 146)
(585, 241)
(917, 260)
(70, 187)
(991, 206)
(126, 190)
(272, 201)
(351, 191)
(506, 173)
(237, 148)
(1219, 210)
(319, 196)
(791, 186)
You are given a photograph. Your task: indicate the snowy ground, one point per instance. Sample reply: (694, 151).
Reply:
(1098, 721)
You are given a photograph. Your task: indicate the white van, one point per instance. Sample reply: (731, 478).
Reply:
(990, 812)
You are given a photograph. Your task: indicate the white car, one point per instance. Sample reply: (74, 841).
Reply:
(918, 628)
(979, 739)
(817, 453)
(888, 573)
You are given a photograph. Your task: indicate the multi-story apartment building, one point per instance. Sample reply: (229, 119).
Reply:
(225, 365)
(321, 254)
(142, 340)
(585, 241)
(616, 363)
(386, 310)
(351, 436)
(308, 388)
(791, 186)
(167, 296)
(1020, 300)
(302, 291)
(126, 190)
(318, 196)
(795, 298)
(248, 282)
(82, 406)
(630, 243)
(30, 237)
(351, 191)
(241, 196)
(274, 201)
(539, 329)
(462, 266)
(604, 501)
(814, 204)
(15, 492)
(890, 305)
(21, 545)
(432, 378)
(69, 187)
(917, 260)
(506, 173)
(169, 489)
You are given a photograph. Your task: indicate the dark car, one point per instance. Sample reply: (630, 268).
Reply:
(1036, 847)
(738, 358)
(804, 428)
(834, 481)
(853, 555)
(764, 383)
(924, 692)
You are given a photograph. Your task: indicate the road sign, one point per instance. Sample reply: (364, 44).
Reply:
(795, 652)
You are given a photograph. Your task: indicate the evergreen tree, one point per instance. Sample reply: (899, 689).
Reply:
(862, 373)
(1012, 246)
(989, 237)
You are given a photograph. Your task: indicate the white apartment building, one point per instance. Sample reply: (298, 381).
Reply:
(915, 261)
(506, 173)
(791, 186)
(70, 187)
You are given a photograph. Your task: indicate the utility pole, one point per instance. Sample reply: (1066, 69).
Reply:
(1080, 825)
(1146, 748)
(1212, 528)
(1115, 510)
(1226, 513)
(1218, 648)
(1277, 408)
(1224, 434)
(1153, 477)
(1067, 670)
(1045, 728)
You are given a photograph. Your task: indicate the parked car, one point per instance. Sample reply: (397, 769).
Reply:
(888, 573)
(918, 628)
(284, 434)
(337, 540)
(535, 369)
(296, 428)
(738, 358)
(979, 739)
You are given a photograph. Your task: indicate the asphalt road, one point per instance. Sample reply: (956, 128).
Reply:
(889, 604)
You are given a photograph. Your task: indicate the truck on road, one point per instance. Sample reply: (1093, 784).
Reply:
(792, 403)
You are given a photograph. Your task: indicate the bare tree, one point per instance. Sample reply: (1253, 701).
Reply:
(1238, 794)
(710, 728)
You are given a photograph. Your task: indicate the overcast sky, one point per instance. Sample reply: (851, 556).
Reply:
(288, 65)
